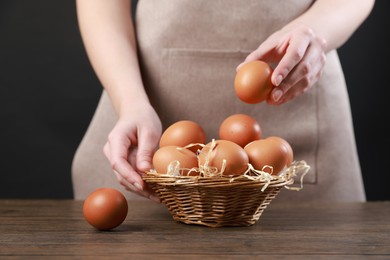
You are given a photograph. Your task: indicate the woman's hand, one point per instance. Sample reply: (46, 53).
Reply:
(300, 57)
(131, 145)
(299, 50)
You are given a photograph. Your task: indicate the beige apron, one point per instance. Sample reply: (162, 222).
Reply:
(189, 50)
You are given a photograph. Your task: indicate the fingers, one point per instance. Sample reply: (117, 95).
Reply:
(299, 68)
(147, 193)
(123, 161)
(294, 54)
(303, 76)
(122, 169)
(119, 146)
(269, 51)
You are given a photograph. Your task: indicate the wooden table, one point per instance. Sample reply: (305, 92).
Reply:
(36, 229)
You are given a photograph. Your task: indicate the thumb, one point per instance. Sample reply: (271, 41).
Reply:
(259, 54)
(146, 148)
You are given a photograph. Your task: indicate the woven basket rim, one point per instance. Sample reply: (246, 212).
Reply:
(167, 180)
(218, 181)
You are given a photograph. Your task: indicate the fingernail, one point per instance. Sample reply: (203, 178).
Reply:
(144, 165)
(138, 186)
(277, 94)
(238, 67)
(278, 80)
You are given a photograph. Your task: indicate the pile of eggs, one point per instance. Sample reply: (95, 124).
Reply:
(182, 147)
(240, 144)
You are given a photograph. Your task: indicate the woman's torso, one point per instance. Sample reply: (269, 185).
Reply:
(189, 51)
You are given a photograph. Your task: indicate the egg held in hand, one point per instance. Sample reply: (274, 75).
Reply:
(105, 208)
(240, 129)
(183, 133)
(253, 82)
(267, 152)
(167, 156)
(224, 156)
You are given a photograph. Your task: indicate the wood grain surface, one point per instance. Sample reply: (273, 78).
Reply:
(41, 229)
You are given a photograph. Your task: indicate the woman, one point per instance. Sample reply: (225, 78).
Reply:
(179, 62)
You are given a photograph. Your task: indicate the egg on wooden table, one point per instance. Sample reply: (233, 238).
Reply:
(105, 208)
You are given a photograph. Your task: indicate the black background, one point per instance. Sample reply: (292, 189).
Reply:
(48, 93)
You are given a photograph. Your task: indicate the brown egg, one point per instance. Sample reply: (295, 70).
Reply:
(240, 129)
(267, 152)
(167, 154)
(105, 208)
(290, 154)
(183, 133)
(253, 82)
(235, 156)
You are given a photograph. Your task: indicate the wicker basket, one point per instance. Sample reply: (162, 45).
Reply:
(220, 201)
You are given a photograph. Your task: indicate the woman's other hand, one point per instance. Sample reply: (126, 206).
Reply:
(131, 145)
